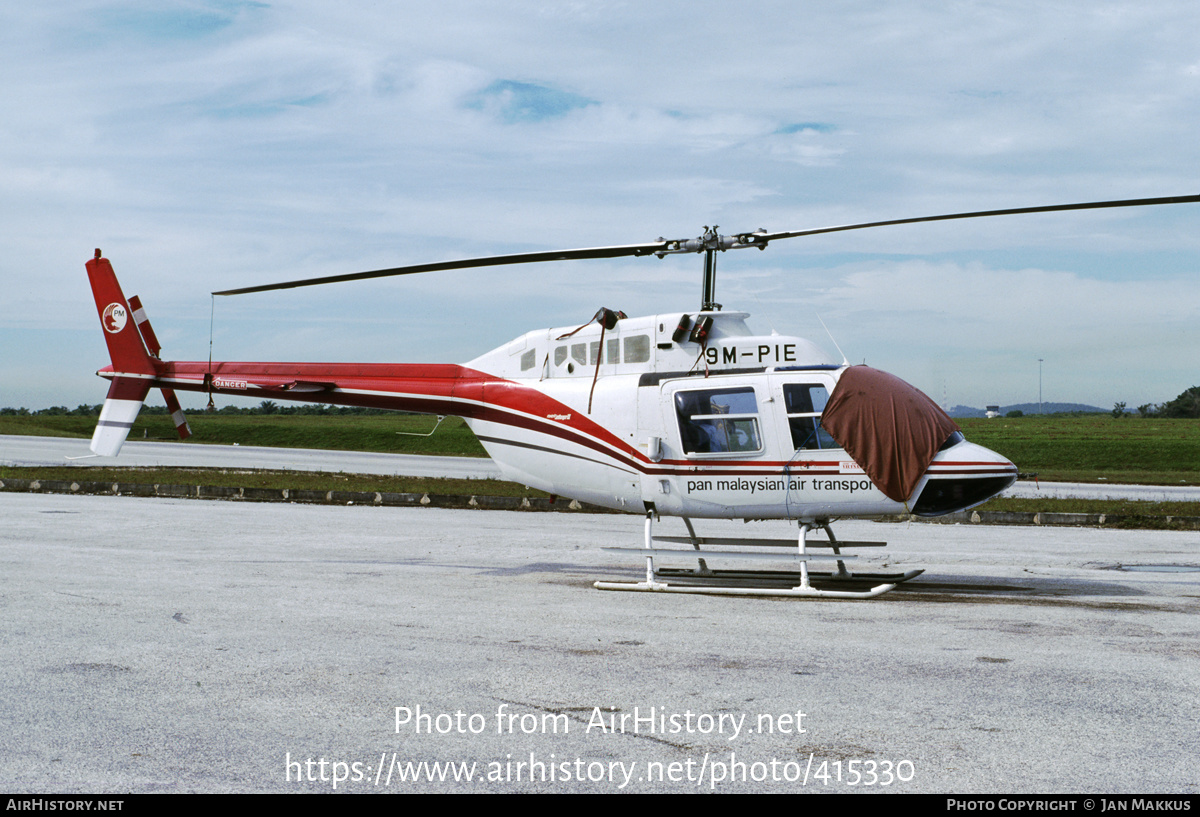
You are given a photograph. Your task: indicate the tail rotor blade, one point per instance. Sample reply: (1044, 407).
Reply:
(177, 416)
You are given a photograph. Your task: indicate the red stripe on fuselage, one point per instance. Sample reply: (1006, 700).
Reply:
(446, 388)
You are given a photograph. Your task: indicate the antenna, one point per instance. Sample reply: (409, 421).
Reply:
(762, 312)
(845, 362)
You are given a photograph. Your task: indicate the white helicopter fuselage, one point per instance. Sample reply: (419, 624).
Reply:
(724, 428)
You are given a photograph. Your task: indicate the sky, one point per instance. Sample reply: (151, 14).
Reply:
(212, 144)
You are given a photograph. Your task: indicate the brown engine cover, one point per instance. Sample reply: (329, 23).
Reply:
(890, 428)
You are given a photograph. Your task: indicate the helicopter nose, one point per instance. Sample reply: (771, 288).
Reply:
(962, 476)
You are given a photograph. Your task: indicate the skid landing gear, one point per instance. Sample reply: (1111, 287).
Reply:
(798, 583)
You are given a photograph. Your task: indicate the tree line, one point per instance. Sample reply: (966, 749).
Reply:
(1185, 405)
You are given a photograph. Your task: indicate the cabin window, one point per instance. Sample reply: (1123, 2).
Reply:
(579, 352)
(612, 354)
(529, 360)
(718, 421)
(954, 439)
(804, 403)
(637, 349)
(560, 355)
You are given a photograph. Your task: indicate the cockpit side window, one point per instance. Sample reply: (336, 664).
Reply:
(637, 349)
(718, 421)
(804, 403)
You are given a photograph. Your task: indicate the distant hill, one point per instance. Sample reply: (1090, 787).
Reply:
(1028, 408)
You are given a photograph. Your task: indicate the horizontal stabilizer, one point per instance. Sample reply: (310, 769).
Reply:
(307, 386)
(298, 386)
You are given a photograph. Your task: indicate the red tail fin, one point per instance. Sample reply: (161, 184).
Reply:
(129, 357)
(125, 345)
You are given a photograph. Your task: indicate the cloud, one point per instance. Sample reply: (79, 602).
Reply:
(173, 20)
(205, 145)
(514, 102)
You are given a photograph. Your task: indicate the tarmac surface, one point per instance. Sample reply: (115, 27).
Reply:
(161, 645)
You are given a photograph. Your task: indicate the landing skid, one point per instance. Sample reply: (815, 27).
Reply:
(779, 583)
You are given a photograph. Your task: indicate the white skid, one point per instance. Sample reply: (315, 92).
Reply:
(751, 542)
(795, 592)
(728, 554)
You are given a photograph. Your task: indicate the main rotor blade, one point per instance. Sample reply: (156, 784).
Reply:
(709, 242)
(1049, 208)
(492, 261)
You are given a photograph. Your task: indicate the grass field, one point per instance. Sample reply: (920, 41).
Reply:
(333, 432)
(1094, 448)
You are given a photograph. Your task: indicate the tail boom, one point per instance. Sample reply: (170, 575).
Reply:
(448, 389)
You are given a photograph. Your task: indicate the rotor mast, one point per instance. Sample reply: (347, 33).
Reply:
(707, 304)
(710, 243)
(708, 287)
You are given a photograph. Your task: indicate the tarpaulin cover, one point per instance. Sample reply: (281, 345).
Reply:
(890, 428)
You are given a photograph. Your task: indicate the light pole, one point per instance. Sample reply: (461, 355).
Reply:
(1040, 385)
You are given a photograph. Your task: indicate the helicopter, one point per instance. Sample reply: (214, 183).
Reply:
(683, 414)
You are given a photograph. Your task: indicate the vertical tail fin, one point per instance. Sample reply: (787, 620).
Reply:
(129, 357)
(125, 345)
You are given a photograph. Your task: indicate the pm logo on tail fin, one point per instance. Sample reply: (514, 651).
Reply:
(114, 317)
